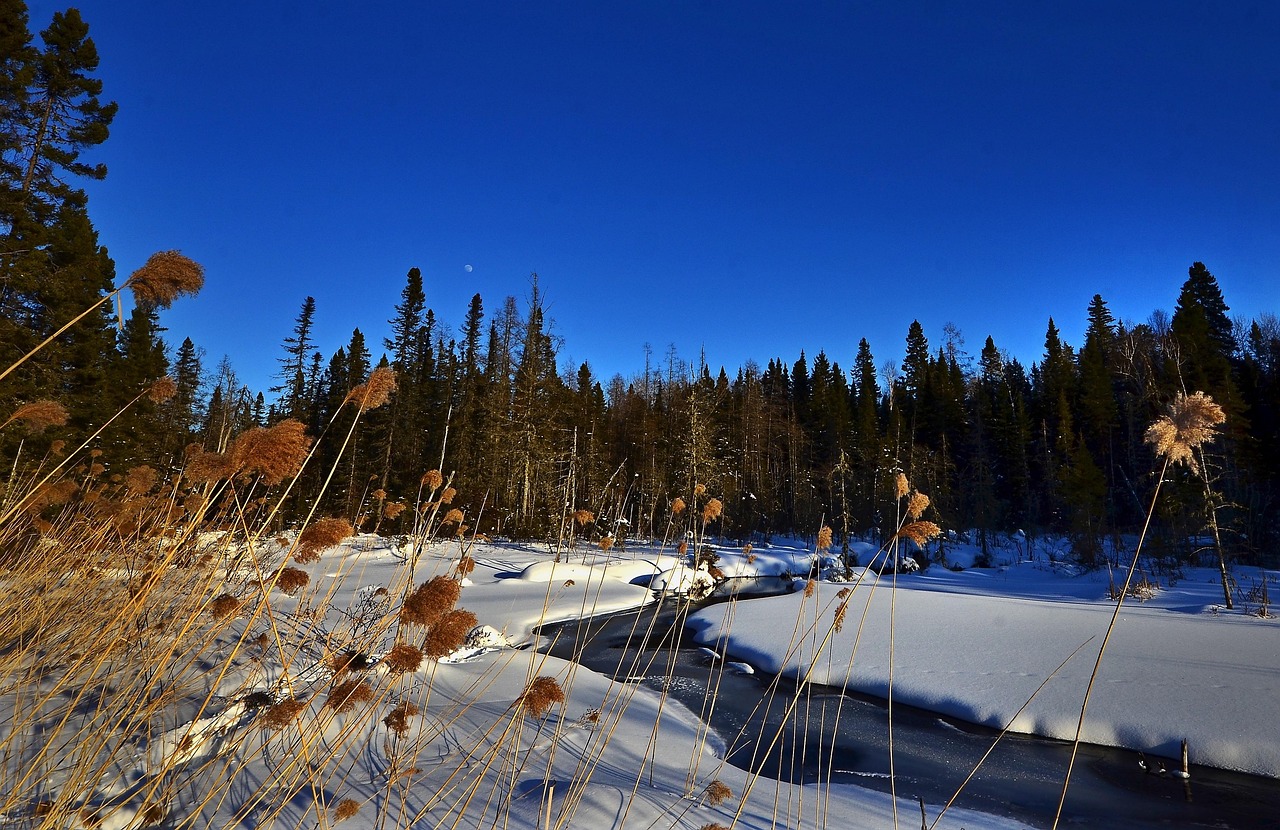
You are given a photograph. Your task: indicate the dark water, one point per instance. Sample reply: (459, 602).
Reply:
(844, 738)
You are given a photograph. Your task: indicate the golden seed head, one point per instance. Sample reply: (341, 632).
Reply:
(583, 517)
(540, 695)
(699, 489)
(164, 277)
(392, 510)
(319, 535)
(39, 414)
(430, 601)
(141, 479)
(397, 720)
(837, 623)
(824, 538)
(432, 479)
(453, 517)
(919, 532)
(809, 588)
(711, 510)
(291, 580)
(403, 658)
(677, 506)
(375, 391)
(274, 452)
(447, 494)
(346, 808)
(900, 485)
(606, 543)
(449, 633)
(344, 696)
(916, 505)
(718, 792)
(283, 713)
(162, 390)
(1192, 421)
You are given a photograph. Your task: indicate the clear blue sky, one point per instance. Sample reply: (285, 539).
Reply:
(750, 179)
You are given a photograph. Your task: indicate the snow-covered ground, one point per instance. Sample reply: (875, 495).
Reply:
(974, 644)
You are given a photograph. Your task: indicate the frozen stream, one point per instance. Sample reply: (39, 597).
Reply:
(1022, 778)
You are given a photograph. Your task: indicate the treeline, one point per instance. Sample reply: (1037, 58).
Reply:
(1052, 448)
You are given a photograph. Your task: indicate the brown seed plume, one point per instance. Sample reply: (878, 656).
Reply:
(403, 658)
(37, 415)
(449, 633)
(432, 479)
(1191, 421)
(900, 485)
(540, 695)
(430, 601)
(344, 696)
(276, 452)
(319, 535)
(162, 390)
(375, 391)
(919, 532)
(916, 505)
(164, 277)
(346, 808)
(824, 538)
(711, 510)
(718, 792)
(397, 720)
(141, 479)
(677, 506)
(283, 713)
(292, 580)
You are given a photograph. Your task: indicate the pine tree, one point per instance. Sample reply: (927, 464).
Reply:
(294, 401)
(1203, 333)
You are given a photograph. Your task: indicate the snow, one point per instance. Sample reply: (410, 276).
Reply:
(973, 644)
(977, 644)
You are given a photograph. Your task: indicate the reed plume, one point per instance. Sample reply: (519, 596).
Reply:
(397, 720)
(449, 633)
(540, 695)
(165, 276)
(403, 658)
(38, 415)
(718, 792)
(275, 453)
(1190, 422)
(319, 535)
(345, 696)
(430, 601)
(375, 391)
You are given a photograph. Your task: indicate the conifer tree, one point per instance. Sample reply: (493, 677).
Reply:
(295, 396)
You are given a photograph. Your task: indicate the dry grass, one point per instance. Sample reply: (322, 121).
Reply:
(165, 276)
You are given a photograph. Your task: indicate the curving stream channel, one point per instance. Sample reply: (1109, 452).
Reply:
(844, 736)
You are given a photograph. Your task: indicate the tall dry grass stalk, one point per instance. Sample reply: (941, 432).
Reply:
(166, 276)
(1190, 422)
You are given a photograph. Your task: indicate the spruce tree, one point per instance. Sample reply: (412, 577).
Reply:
(295, 395)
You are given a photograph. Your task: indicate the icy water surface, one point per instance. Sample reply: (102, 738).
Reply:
(844, 738)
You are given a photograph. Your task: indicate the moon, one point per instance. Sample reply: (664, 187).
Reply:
(467, 268)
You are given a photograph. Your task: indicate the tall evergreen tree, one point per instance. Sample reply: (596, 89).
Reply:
(295, 396)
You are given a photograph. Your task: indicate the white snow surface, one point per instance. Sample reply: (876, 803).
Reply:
(973, 644)
(976, 644)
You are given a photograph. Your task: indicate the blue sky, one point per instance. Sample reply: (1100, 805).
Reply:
(747, 179)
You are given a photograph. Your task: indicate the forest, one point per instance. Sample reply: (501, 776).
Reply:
(1053, 449)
